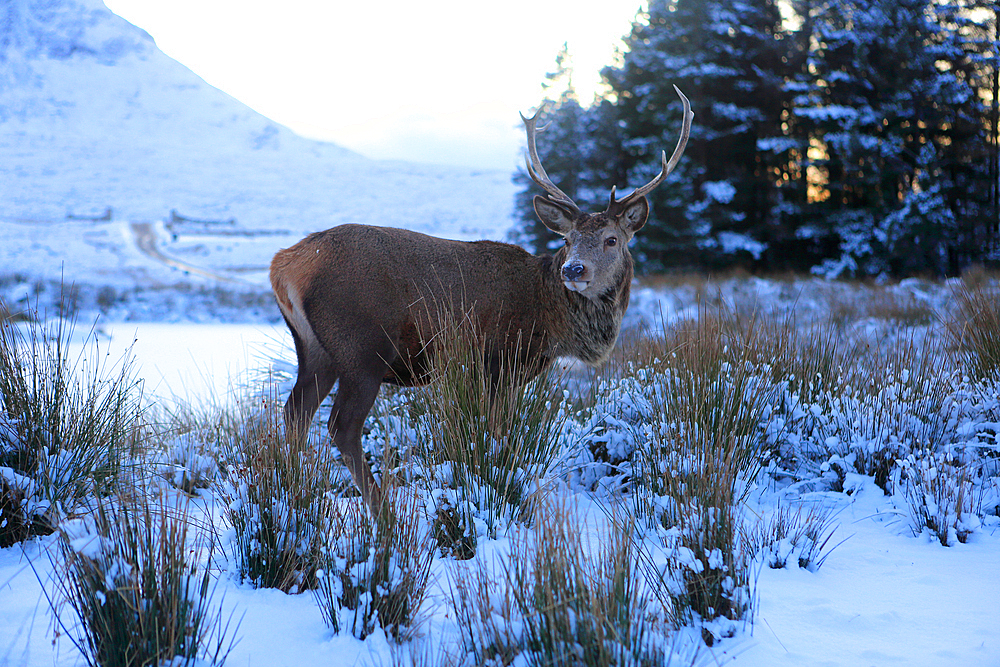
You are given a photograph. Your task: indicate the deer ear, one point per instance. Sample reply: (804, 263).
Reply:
(553, 216)
(634, 215)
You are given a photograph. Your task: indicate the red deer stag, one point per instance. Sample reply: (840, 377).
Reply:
(358, 300)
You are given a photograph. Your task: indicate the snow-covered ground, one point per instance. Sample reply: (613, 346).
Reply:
(189, 187)
(93, 117)
(883, 597)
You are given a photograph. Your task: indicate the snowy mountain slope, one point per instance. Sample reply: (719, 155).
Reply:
(93, 116)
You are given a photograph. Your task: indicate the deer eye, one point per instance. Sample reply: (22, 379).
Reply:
(611, 241)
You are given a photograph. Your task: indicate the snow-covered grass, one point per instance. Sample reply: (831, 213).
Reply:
(376, 570)
(975, 332)
(69, 426)
(556, 600)
(273, 493)
(482, 445)
(133, 588)
(740, 485)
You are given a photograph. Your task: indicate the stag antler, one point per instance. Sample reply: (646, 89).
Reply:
(535, 168)
(667, 166)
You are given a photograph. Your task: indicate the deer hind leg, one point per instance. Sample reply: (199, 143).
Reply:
(304, 400)
(316, 377)
(354, 402)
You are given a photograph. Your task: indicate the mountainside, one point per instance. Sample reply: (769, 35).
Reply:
(94, 116)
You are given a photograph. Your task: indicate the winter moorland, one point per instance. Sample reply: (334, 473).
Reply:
(769, 471)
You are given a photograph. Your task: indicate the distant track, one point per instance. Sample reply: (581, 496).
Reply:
(145, 240)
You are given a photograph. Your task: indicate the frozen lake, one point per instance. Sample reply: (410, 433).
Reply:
(211, 363)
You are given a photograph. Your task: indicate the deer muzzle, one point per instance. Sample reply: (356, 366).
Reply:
(574, 276)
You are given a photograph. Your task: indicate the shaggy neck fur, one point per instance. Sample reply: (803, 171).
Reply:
(586, 328)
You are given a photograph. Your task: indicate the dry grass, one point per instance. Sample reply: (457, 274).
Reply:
(689, 411)
(974, 328)
(978, 276)
(488, 433)
(901, 309)
(275, 492)
(138, 587)
(809, 360)
(880, 302)
(701, 284)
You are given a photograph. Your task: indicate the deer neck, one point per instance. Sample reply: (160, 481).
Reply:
(586, 328)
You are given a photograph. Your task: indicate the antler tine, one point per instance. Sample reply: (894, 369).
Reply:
(667, 166)
(535, 168)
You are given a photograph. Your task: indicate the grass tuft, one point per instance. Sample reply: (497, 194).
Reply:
(889, 403)
(938, 492)
(139, 588)
(485, 612)
(695, 413)
(275, 492)
(68, 430)
(584, 609)
(801, 536)
(15, 517)
(187, 464)
(559, 603)
(974, 329)
(375, 571)
(487, 434)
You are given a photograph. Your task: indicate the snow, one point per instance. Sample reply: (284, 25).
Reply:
(882, 597)
(829, 112)
(206, 361)
(187, 296)
(721, 191)
(732, 242)
(93, 117)
(205, 165)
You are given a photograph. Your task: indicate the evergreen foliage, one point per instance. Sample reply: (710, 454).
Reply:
(726, 56)
(886, 118)
(852, 137)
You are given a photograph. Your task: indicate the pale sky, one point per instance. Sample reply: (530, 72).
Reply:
(435, 81)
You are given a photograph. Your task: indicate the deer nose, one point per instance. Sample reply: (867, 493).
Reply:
(572, 272)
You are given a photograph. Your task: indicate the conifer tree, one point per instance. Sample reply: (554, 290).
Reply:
(853, 136)
(967, 162)
(886, 107)
(727, 57)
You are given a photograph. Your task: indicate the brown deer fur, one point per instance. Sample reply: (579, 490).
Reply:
(361, 303)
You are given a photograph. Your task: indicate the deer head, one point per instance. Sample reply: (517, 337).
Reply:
(596, 243)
